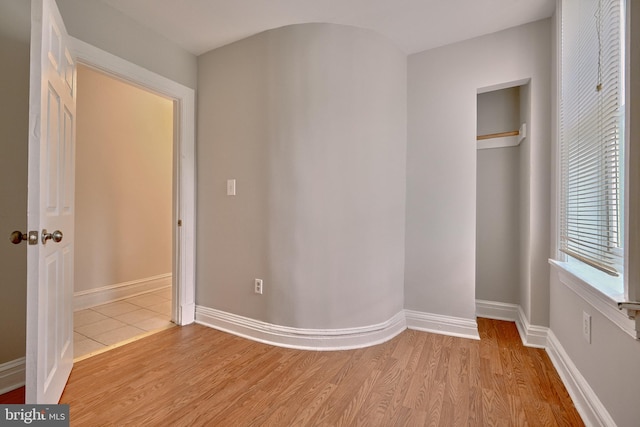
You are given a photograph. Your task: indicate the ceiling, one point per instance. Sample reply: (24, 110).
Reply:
(414, 25)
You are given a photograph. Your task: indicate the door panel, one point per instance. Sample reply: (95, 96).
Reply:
(51, 146)
(68, 163)
(50, 206)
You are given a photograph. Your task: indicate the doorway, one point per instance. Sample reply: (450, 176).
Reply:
(501, 194)
(124, 215)
(184, 204)
(13, 363)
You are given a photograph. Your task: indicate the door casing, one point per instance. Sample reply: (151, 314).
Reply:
(183, 298)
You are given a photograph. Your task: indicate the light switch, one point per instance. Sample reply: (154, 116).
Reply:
(231, 187)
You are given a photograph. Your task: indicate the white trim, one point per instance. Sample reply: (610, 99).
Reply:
(632, 154)
(522, 132)
(497, 310)
(605, 304)
(531, 335)
(105, 294)
(499, 142)
(298, 338)
(504, 85)
(186, 311)
(184, 98)
(592, 411)
(12, 375)
(439, 324)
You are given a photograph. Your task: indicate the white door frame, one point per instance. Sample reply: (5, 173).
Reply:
(183, 301)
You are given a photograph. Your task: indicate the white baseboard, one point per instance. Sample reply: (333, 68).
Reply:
(303, 339)
(592, 411)
(438, 324)
(587, 403)
(105, 294)
(531, 335)
(186, 314)
(12, 375)
(497, 310)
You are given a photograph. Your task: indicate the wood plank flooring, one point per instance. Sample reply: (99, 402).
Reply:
(197, 376)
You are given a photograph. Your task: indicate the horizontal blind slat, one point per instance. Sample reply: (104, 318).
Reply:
(590, 134)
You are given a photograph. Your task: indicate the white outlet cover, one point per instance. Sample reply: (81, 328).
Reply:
(586, 326)
(231, 187)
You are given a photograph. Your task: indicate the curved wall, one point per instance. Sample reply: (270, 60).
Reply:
(310, 120)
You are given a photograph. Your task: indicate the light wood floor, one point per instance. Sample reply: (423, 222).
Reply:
(195, 375)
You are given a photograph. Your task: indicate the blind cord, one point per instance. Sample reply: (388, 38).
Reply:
(598, 16)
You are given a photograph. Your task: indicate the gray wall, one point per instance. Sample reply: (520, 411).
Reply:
(499, 111)
(441, 166)
(498, 225)
(96, 23)
(311, 122)
(14, 122)
(609, 363)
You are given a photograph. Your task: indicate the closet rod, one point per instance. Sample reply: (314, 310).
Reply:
(498, 135)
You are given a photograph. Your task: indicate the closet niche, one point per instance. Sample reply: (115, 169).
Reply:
(502, 176)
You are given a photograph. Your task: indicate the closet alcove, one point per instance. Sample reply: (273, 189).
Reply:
(502, 175)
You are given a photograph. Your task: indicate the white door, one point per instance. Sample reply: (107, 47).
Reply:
(49, 357)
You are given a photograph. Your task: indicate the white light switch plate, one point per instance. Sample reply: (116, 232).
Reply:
(231, 187)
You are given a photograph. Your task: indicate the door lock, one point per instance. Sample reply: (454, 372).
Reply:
(17, 237)
(56, 236)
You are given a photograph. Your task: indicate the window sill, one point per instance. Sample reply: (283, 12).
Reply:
(603, 298)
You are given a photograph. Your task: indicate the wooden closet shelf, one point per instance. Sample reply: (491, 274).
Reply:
(498, 135)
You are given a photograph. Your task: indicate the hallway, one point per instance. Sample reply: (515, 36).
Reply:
(98, 328)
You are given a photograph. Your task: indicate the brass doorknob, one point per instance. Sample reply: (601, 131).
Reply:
(56, 236)
(17, 236)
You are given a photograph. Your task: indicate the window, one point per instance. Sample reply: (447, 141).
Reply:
(592, 137)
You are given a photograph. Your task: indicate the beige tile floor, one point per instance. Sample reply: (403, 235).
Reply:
(97, 328)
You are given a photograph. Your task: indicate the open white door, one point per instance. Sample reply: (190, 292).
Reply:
(50, 211)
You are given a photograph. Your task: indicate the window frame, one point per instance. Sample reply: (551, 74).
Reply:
(589, 283)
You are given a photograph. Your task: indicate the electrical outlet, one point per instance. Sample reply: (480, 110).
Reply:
(231, 187)
(586, 327)
(258, 286)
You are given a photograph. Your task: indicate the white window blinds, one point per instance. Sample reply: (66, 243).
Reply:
(591, 132)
